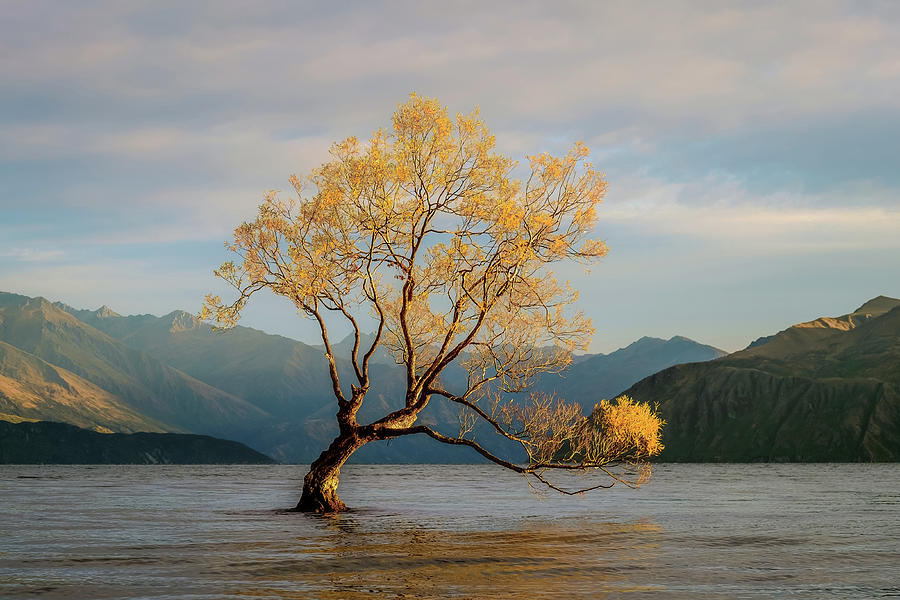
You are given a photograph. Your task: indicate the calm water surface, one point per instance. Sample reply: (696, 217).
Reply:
(695, 531)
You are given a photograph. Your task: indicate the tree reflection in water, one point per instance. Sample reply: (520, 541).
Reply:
(542, 560)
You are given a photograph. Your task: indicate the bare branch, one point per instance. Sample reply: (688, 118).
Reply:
(329, 356)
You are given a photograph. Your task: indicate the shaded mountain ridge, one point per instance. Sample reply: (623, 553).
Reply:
(823, 390)
(61, 443)
(595, 377)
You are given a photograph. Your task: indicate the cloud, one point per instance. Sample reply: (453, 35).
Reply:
(31, 255)
(757, 134)
(798, 94)
(712, 64)
(723, 211)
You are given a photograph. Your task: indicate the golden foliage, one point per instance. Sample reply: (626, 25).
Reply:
(627, 429)
(555, 433)
(425, 229)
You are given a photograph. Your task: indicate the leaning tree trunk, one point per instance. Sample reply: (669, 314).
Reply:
(320, 484)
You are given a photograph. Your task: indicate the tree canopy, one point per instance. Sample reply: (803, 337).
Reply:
(425, 232)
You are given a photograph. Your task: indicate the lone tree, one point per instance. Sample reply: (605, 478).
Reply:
(424, 230)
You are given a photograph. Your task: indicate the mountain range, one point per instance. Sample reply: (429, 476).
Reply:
(98, 369)
(101, 370)
(593, 377)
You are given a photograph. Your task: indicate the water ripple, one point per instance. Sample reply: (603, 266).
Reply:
(696, 531)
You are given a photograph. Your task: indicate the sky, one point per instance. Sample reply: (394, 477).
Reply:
(752, 149)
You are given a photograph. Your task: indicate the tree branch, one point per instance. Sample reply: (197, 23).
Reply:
(536, 472)
(329, 355)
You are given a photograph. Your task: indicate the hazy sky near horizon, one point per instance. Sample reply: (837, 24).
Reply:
(752, 148)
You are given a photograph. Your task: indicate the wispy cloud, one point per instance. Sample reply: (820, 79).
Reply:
(723, 212)
(31, 255)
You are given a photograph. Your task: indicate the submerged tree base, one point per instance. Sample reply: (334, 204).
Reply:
(320, 484)
(320, 503)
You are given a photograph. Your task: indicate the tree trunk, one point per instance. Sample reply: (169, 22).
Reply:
(320, 484)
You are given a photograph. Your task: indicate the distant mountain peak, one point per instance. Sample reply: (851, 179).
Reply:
(680, 339)
(65, 307)
(644, 340)
(878, 305)
(649, 341)
(105, 312)
(49, 311)
(871, 309)
(182, 321)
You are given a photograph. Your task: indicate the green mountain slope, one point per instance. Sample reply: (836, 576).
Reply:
(826, 390)
(34, 389)
(144, 384)
(60, 443)
(286, 378)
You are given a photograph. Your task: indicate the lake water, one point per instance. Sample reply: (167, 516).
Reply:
(467, 531)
